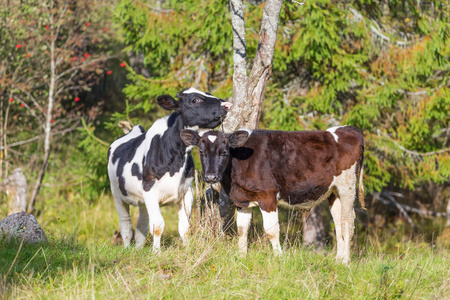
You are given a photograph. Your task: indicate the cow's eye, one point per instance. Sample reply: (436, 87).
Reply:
(201, 153)
(224, 153)
(196, 100)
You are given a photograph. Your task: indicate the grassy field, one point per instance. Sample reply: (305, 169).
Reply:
(80, 262)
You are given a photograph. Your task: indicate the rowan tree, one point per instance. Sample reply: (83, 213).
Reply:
(53, 51)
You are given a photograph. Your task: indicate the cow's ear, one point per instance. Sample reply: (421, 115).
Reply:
(238, 138)
(189, 137)
(168, 103)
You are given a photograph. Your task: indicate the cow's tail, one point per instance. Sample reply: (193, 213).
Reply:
(360, 183)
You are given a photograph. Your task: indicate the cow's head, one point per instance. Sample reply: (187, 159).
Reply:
(196, 108)
(214, 148)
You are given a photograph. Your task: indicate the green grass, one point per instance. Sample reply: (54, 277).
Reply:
(209, 268)
(80, 262)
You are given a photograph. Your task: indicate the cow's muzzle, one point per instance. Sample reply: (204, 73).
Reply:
(211, 178)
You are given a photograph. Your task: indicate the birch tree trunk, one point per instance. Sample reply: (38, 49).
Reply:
(48, 116)
(248, 92)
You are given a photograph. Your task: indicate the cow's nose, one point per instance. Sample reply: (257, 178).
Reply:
(210, 178)
(226, 105)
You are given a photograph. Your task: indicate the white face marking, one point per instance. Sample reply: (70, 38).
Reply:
(332, 131)
(194, 90)
(212, 138)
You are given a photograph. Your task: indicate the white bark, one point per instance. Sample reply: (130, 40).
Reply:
(240, 79)
(262, 64)
(48, 116)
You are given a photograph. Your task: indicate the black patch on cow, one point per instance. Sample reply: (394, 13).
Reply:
(172, 118)
(135, 171)
(166, 153)
(122, 185)
(241, 153)
(125, 154)
(109, 153)
(190, 167)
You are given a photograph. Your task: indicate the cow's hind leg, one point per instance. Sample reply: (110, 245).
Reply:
(151, 199)
(126, 227)
(272, 229)
(335, 209)
(348, 220)
(141, 227)
(346, 189)
(244, 216)
(184, 214)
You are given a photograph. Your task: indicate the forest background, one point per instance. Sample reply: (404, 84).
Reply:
(70, 70)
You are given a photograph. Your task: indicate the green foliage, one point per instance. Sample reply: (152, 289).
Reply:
(329, 68)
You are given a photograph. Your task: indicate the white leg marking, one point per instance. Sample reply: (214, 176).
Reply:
(244, 216)
(272, 229)
(123, 209)
(336, 214)
(346, 186)
(184, 214)
(142, 227)
(151, 199)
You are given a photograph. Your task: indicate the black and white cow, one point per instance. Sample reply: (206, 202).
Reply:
(153, 168)
(295, 169)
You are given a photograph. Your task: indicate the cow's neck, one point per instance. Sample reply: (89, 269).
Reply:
(226, 178)
(171, 138)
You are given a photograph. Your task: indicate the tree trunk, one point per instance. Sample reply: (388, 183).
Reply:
(248, 92)
(262, 64)
(16, 189)
(246, 110)
(48, 119)
(314, 229)
(234, 119)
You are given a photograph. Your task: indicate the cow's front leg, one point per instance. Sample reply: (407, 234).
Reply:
(141, 227)
(272, 229)
(244, 216)
(151, 199)
(184, 214)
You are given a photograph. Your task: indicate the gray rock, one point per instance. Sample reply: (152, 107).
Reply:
(18, 225)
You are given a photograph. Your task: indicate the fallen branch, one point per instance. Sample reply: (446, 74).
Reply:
(405, 208)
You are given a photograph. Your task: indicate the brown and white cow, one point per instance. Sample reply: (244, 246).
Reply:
(297, 169)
